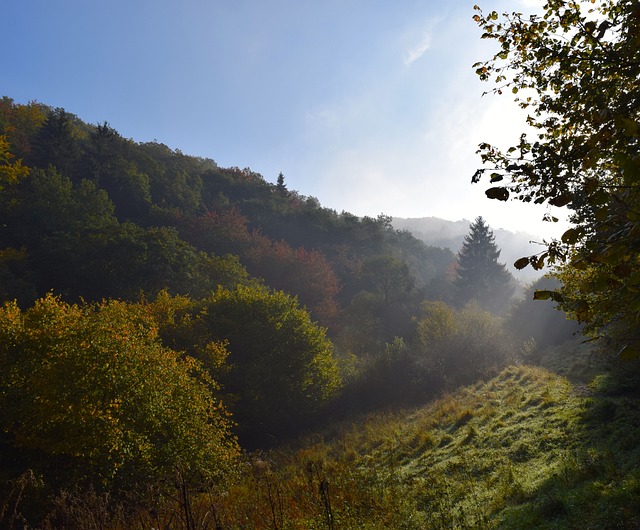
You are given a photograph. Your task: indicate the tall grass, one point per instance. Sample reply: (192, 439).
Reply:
(526, 449)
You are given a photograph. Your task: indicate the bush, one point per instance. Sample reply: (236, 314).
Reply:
(89, 396)
(458, 347)
(280, 369)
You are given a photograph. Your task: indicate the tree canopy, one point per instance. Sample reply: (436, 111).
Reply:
(575, 68)
(88, 394)
(280, 368)
(10, 170)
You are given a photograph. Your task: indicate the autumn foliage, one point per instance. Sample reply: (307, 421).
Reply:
(88, 394)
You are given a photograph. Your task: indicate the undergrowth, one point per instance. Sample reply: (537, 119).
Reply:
(526, 449)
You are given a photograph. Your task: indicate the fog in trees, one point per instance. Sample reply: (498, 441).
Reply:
(479, 276)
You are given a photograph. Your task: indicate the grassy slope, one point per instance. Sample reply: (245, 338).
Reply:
(527, 449)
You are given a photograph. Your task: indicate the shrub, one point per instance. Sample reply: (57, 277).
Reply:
(457, 347)
(89, 395)
(280, 369)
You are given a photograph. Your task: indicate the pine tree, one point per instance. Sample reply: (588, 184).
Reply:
(56, 143)
(281, 186)
(479, 276)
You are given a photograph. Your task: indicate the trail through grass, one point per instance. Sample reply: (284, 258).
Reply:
(527, 449)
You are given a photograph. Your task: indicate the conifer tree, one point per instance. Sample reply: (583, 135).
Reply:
(479, 275)
(281, 186)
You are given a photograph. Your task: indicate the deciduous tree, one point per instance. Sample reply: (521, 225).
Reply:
(20, 123)
(282, 365)
(575, 68)
(89, 394)
(456, 347)
(306, 274)
(11, 170)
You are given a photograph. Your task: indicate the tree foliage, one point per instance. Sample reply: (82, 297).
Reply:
(100, 216)
(19, 123)
(575, 68)
(280, 369)
(281, 187)
(306, 274)
(103, 216)
(389, 277)
(55, 142)
(89, 394)
(10, 170)
(457, 347)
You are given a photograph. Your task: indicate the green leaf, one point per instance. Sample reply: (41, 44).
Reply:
(561, 200)
(591, 185)
(600, 283)
(538, 264)
(548, 295)
(615, 253)
(601, 214)
(579, 264)
(521, 263)
(630, 127)
(582, 310)
(632, 216)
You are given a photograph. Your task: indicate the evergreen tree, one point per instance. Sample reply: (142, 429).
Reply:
(281, 186)
(56, 143)
(479, 276)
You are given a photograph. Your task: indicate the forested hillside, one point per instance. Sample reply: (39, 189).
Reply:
(142, 217)
(162, 314)
(189, 346)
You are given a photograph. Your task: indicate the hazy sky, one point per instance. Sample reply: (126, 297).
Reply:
(369, 105)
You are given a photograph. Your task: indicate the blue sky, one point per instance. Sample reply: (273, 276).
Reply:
(369, 105)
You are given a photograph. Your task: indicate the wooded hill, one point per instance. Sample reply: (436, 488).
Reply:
(162, 314)
(103, 216)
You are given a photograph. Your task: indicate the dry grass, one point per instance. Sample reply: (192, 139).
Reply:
(526, 449)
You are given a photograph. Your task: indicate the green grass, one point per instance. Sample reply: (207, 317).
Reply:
(527, 449)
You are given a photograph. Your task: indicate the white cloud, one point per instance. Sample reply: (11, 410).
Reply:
(417, 51)
(427, 171)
